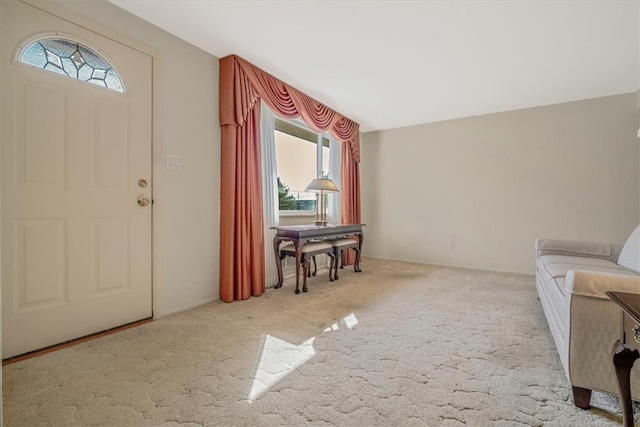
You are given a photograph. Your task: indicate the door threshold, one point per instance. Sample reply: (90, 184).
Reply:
(49, 349)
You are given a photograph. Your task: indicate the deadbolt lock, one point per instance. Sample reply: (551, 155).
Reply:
(142, 183)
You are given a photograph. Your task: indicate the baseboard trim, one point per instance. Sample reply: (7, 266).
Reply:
(189, 306)
(51, 348)
(466, 267)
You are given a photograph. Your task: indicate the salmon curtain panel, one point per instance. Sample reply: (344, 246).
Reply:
(350, 176)
(242, 85)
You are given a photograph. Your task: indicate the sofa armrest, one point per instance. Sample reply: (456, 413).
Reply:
(573, 247)
(616, 248)
(595, 284)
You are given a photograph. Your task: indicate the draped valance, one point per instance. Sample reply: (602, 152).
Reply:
(243, 84)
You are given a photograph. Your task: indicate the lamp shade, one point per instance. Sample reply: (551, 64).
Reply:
(321, 184)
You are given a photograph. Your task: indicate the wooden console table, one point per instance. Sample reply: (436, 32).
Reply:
(625, 350)
(298, 234)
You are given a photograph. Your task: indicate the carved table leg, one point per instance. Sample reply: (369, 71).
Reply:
(315, 268)
(298, 248)
(306, 267)
(356, 264)
(623, 360)
(276, 250)
(333, 260)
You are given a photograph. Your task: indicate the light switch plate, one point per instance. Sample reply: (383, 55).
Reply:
(172, 162)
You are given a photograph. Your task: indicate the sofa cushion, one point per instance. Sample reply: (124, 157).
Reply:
(558, 265)
(630, 254)
(560, 270)
(577, 260)
(546, 276)
(553, 268)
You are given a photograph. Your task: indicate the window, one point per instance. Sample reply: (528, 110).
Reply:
(300, 159)
(73, 60)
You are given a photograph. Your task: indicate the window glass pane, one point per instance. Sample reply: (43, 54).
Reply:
(78, 60)
(72, 59)
(60, 47)
(93, 59)
(296, 159)
(99, 74)
(113, 81)
(84, 73)
(69, 68)
(53, 59)
(97, 82)
(51, 67)
(34, 55)
(325, 161)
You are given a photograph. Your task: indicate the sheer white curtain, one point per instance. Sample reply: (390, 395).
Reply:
(269, 191)
(335, 158)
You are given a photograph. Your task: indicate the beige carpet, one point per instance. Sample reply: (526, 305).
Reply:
(396, 345)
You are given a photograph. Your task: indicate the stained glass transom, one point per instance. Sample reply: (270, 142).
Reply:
(73, 60)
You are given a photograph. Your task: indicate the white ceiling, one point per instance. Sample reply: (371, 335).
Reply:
(388, 64)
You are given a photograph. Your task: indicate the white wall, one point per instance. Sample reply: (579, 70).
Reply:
(638, 122)
(499, 181)
(638, 70)
(186, 201)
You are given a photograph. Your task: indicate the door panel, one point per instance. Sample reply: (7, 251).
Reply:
(76, 246)
(110, 255)
(41, 148)
(42, 263)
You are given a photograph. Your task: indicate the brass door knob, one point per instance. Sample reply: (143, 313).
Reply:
(143, 201)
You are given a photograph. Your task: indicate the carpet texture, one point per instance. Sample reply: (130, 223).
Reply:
(399, 344)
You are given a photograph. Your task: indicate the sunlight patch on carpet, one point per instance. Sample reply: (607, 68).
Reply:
(349, 321)
(278, 359)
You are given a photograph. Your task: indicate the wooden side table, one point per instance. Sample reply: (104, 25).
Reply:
(298, 234)
(625, 350)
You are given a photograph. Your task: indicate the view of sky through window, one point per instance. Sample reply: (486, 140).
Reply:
(296, 160)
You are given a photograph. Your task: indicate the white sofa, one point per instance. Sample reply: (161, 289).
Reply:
(572, 278)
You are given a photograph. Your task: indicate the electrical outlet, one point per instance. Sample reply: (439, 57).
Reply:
(452, 242)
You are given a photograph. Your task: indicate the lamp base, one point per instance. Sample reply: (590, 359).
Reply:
(321, 209)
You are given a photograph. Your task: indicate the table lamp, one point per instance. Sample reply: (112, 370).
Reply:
(320, 186)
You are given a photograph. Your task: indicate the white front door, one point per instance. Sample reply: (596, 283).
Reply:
(76, 244)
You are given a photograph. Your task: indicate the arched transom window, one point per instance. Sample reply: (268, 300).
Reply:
(72, 59)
